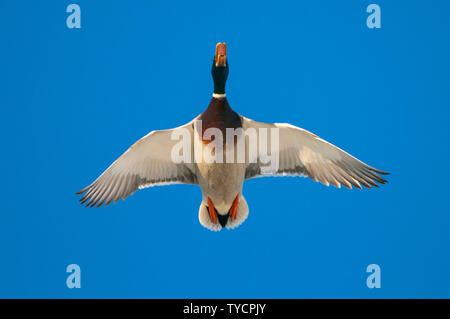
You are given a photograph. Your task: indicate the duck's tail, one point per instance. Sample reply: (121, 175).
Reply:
(217, 223)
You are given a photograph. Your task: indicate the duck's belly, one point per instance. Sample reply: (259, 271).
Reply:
(221, 182)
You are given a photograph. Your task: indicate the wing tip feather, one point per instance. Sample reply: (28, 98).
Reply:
(83, 190)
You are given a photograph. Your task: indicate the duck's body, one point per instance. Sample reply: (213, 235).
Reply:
(150, 161)
(221, 183)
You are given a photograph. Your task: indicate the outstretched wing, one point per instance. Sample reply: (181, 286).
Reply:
(146, 163)
(305, 154)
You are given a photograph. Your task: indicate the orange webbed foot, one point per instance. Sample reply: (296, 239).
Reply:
(212, 211)
(234, 208)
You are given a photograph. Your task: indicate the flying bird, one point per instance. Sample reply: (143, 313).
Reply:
(149, 162)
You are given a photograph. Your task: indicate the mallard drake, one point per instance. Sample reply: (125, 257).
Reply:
(150, 161)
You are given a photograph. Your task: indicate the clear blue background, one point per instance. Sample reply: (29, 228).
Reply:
(73, 100)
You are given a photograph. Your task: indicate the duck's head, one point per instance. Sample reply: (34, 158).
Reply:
(220, 68)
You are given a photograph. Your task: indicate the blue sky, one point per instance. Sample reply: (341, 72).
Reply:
(72, 100)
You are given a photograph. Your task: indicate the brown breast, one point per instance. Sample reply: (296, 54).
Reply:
(220, 115)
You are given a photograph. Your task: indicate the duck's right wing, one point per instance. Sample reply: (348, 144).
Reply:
(146, 163)
(304, 154)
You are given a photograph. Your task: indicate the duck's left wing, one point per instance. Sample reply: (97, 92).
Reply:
(147, 163)
(305, 154)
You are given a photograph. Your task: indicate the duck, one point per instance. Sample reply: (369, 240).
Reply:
(154, 159)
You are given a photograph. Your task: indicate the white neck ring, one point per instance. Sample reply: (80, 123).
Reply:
(219, 96)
